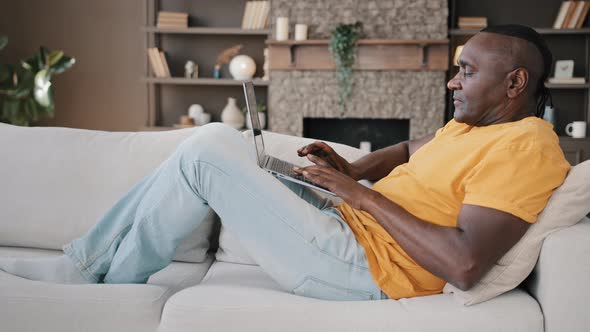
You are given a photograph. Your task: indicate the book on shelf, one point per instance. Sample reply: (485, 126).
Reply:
(158, 62)
(571, 80)
(246, 17)
(561, 14)
(583, 15)
(579, 6)
(571, 14)
(472, 22)
(172, 19)
(255, 15)
(165, 64)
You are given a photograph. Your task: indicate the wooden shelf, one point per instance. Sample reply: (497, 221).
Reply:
(361, 42)
(567, 86)
(373, 54)
(542, 31)
(207, 31)
(202, 81)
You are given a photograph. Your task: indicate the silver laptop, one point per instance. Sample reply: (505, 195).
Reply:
(277, 167)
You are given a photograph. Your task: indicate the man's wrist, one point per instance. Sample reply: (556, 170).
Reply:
(354, 172)
(368, 199)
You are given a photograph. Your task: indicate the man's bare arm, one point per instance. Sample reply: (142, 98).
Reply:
(460, 256)
(378, 164)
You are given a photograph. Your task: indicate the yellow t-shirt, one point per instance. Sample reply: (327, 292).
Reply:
(511, 167)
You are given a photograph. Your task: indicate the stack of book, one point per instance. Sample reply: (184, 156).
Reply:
(571, 15)
(256, 15)
(172, 20)
(472, 22)
(158, 62)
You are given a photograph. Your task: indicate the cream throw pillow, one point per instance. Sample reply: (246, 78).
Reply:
(568, 204)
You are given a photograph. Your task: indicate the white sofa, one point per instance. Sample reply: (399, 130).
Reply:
(55, 183)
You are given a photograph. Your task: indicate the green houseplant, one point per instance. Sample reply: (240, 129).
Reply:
(25, 89)
(343, 43)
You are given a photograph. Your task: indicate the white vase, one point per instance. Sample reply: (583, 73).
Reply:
(261, 120)
(242, 67)
(232, 115)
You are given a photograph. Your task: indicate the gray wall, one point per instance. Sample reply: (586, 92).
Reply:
(103, 89)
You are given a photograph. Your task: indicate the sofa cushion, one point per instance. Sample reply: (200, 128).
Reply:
(235, 297)
(58, 182)
(283, 147)
(568, 204)
(100, 307)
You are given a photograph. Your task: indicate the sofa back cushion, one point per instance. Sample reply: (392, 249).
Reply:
(283, 147)
(56, 183)
(568, 205)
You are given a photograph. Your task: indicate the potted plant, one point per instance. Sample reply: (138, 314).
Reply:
(343, 47)
(25, 89)
(261, 109)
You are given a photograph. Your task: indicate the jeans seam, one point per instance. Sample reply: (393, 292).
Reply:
(93, 259)
(68, 250)
(283, 220)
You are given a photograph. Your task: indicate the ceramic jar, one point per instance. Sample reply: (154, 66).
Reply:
(232, 115)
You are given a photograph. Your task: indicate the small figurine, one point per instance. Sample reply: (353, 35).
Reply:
(191, 70)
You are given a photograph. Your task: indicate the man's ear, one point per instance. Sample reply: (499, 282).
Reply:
(518, 80)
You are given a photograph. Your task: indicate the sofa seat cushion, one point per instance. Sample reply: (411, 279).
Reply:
(27, 305)
(241, 297)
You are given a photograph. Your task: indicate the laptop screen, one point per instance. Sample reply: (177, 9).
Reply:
(253, 114)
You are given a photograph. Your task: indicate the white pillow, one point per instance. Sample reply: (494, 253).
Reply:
(568, 204)
(56, 183)
(283, 147)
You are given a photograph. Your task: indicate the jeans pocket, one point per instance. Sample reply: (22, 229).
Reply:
(319, 289)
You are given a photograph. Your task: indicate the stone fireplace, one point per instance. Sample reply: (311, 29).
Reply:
(417, 96)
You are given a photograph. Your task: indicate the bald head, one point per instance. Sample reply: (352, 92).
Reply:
(510, 53)
(500, 79)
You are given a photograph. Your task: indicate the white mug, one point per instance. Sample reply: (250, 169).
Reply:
(300, 32)
(282, 28)
(576, 129)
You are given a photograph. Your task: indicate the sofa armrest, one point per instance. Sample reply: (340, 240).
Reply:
(561, 279)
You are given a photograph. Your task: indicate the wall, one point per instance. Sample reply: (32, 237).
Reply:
(418, 96)
(103, 89)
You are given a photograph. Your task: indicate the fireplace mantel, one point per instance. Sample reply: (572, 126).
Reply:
(373, 54)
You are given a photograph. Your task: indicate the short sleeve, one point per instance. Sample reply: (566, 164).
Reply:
(515, 181)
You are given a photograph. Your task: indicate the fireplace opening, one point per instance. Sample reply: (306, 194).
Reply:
(379, 133)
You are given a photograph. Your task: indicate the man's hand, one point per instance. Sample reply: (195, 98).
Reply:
(337, 182)
(322, 154)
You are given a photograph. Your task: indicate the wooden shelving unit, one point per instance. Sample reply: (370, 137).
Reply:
(372, 54)
(212, 29)
(568, 86)
(542, 31)
(572, 101)
(207, 31)
(202, 81)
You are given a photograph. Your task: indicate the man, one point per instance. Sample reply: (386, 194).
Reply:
(445, 208)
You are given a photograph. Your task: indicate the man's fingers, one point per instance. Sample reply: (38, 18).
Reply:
(317, 160)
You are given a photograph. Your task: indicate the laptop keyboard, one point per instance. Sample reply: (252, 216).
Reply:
(286, 168)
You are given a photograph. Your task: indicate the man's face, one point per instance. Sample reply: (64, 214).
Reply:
(479, 89)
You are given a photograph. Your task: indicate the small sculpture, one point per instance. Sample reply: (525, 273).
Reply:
(191, 70)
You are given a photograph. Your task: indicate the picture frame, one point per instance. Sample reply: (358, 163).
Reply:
(564, 69)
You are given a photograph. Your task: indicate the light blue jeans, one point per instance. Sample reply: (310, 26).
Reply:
(296, 236)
